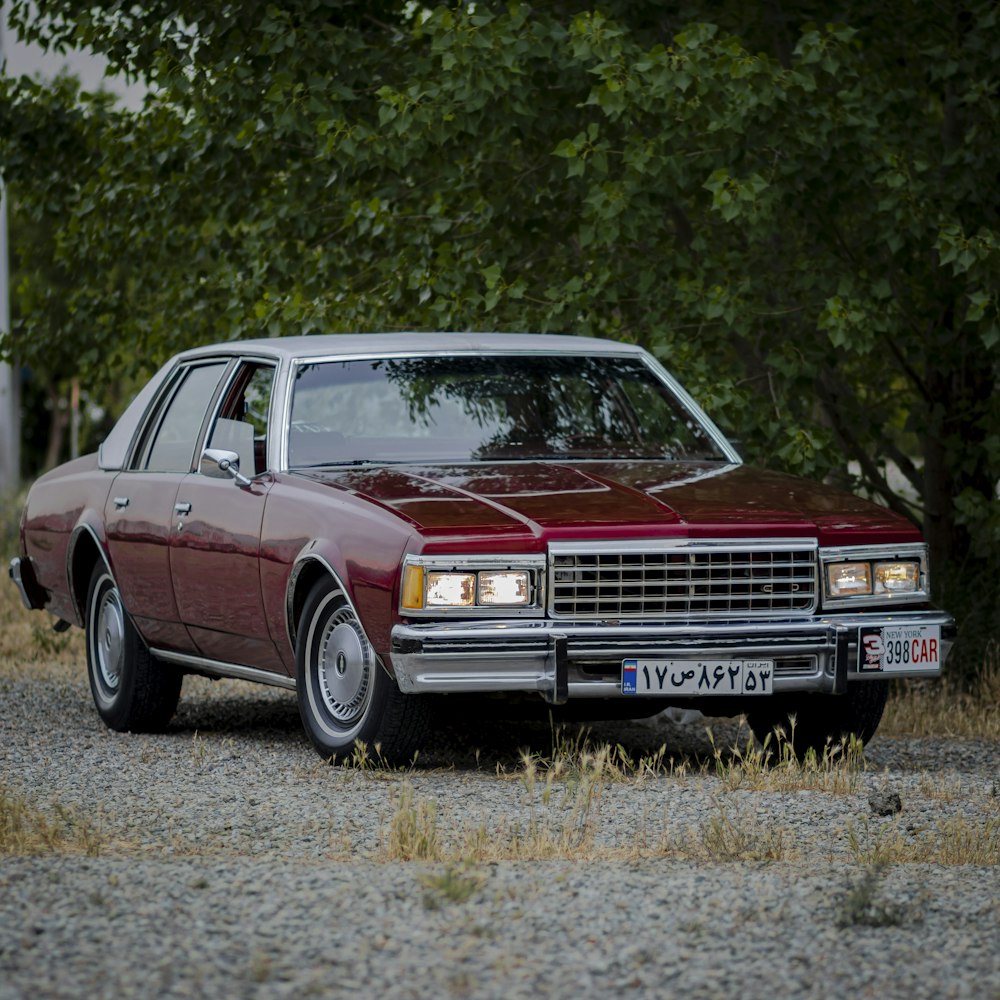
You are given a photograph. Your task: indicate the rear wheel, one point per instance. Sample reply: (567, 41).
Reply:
(132, 690)
(345, 695)
(822, 719)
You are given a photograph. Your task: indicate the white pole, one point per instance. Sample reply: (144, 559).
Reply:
(10, 403)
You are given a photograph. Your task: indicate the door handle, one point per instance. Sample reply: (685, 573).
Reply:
(182, 507)
(120, 503)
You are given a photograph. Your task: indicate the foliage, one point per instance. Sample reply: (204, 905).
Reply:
(799, 217)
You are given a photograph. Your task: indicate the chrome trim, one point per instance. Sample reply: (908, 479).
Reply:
(215, 668)
(643, 545)
(148, 426)
(14, 572)
(688, 402)
(534, 564)
(293, 576)
(228, 381)
(521, 655)
(74, 540)
(871, 554)
(694, 547)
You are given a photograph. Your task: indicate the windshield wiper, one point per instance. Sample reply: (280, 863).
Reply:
(339, 463)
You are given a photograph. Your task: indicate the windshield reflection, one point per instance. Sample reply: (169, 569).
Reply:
(477, 409)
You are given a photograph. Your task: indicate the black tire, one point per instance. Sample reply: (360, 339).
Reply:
(345, 694)
(132, 690)
(822, 719)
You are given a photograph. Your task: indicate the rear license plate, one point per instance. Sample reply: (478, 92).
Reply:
(707, 677)
(899, 648)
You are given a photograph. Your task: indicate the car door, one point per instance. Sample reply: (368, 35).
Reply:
(139, 515)
(215, 541)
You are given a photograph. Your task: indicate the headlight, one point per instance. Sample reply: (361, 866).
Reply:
(897, 577)
(883, 574)
(433, 583)
(512, 587)
(451, 590)
(849, 579)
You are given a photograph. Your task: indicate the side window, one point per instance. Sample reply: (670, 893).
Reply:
(176, 436)
(242, 423)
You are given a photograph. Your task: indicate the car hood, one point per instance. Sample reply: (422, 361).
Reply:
(618, 499)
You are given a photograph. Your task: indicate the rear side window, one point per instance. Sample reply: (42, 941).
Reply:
(173, 442)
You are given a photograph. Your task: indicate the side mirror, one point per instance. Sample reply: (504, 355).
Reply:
(220, 464)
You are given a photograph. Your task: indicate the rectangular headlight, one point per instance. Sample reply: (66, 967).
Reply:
(897, 577)
(476, 586)
(510, 587)
(451, 590)
(848, 579)
(859, 575)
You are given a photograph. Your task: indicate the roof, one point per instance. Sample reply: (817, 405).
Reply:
(344, 344)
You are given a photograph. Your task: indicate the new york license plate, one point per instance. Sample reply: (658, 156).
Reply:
(900, 648)
(697, 677)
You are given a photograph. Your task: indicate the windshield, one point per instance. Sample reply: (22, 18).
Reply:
(481, 408)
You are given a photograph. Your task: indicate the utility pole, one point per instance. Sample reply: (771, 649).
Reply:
(10, 401)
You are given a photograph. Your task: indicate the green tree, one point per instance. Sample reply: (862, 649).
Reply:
(800, 218)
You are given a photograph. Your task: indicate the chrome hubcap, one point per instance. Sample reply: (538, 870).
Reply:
(109, 639)
(344, 668)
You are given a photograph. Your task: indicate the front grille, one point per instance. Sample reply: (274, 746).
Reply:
(681, 582)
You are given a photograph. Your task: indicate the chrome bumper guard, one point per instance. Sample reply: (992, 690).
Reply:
(21, 572)
(562, 660)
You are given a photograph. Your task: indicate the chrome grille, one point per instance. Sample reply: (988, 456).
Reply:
(689, 580)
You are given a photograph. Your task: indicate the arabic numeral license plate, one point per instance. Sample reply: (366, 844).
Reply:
(698, 677)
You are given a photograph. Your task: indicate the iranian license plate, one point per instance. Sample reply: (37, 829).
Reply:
(900, 648)
(707, 677)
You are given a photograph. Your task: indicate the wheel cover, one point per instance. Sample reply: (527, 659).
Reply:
(344, 668)
(109, 639)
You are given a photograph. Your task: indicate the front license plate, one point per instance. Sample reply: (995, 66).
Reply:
(899, 648)
(670, 677)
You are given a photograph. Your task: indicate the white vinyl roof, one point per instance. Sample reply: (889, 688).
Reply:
(346, 344)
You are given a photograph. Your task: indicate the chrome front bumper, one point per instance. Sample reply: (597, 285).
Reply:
(562, 660)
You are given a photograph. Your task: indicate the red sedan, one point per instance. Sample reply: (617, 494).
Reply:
(372, 519)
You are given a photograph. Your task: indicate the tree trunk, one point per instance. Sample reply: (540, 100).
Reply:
(57, 428)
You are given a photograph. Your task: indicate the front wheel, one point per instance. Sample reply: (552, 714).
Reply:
(132, 690)
(344, 693)
(822, 720)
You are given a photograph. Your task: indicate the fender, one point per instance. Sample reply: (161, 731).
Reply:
(90, 525)
(320, 553)
(313, 562)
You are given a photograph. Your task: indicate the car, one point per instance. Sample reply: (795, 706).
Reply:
(380, 521)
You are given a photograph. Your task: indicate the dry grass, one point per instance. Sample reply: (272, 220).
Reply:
(28, 830)
(28, 644)
(954, 841)
(569, 830)
(559, 821)
(730, 835)
(774, 767)
(560, 815)
(942, 709)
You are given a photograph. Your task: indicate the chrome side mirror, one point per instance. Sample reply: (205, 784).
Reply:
(220, 464)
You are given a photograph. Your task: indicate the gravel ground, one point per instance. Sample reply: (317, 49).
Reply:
(234, 863)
